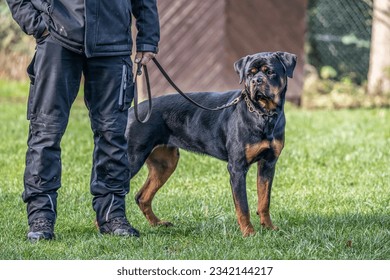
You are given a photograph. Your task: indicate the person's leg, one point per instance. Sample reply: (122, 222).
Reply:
(108, 84)
(55, 75)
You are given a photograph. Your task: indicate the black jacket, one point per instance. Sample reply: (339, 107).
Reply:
(93, 27)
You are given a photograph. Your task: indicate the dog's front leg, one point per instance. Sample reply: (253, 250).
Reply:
(266, 171)
(238, 184)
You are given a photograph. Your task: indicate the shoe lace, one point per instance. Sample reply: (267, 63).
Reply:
(42, 224)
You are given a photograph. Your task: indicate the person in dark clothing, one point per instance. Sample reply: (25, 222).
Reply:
(74, 38)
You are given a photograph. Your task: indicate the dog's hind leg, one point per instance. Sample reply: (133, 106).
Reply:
(161, 163)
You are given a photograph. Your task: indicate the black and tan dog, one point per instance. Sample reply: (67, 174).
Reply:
(248, 132)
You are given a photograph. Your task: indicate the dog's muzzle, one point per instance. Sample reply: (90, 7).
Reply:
(258, 89)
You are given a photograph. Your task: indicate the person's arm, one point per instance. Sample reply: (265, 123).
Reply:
(148, 26)
(27, 16)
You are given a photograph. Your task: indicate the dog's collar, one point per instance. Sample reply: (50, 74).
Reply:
(253, 109)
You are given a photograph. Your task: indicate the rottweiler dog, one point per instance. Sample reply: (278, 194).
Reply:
(250, 131)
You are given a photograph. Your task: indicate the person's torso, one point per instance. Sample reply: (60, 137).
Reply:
(93, 27)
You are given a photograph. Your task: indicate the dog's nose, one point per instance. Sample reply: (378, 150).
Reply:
(258, 81)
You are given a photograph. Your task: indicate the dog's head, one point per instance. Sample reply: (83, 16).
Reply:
(265, 76)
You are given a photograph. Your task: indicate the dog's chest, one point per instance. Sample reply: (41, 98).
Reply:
(269, 145)
(263, 149)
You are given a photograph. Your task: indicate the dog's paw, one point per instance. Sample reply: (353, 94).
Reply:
(270, 226)
(266, 222)
(164, 224)
(248, 232)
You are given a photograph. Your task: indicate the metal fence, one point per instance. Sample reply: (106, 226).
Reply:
(339, 35)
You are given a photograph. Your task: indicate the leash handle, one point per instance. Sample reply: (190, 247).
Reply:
(149, 112)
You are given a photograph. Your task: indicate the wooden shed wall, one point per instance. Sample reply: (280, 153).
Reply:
(192, 45)
(262, 25)
(200, 40)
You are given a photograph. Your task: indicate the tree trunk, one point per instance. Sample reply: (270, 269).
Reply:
(379, 70)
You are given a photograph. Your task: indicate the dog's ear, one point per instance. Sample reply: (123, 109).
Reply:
(288, 61)
(239, 66)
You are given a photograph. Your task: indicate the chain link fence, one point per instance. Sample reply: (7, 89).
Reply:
(339, 35)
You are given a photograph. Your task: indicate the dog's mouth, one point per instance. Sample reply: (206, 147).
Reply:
(262, 97)
(258, 94)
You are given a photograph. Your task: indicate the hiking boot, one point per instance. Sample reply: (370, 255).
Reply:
(41, 228)
(118, 226)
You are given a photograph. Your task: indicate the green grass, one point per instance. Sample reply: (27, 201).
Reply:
(331, 190)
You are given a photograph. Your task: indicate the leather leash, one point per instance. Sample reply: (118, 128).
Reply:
(170, 81)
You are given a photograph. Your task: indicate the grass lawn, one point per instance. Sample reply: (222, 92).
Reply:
(331, 195)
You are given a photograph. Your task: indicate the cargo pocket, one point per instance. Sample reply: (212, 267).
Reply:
(126, 91)
(31, 75)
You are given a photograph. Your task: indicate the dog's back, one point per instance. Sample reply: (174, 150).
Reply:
(175, 121)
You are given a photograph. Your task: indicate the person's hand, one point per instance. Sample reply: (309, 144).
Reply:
(144, 57)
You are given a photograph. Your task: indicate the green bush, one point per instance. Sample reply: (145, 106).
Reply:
(324, 91)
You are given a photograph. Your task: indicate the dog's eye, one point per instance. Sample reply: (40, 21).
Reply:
(270, 72)
(254, 70)
(267, 71)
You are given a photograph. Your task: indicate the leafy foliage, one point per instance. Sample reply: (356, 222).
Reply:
(320, 91)
(12, 38)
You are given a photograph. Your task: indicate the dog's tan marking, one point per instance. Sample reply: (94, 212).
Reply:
(253, 150)
(277, 146)
(269, 105)
(243, 219)
(263, 194)
(161, 163)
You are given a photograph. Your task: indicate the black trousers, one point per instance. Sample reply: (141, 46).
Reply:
(55, 75)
